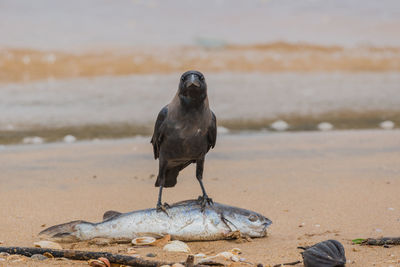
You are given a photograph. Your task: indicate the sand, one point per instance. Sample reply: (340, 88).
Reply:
(313, 186)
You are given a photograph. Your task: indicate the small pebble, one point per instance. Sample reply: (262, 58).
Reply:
(165, 265)
(39, 257)
(4, 254)
(151, 255)
(200, 255)
(390, 208)
(178, 265)
(317, 225)
(378, 230)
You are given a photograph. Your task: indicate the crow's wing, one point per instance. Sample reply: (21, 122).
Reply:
(158, 131)
(212, 132)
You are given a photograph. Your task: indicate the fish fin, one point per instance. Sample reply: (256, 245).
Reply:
(65, 232)
(110, 214)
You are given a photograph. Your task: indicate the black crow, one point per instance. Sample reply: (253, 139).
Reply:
(184, 132)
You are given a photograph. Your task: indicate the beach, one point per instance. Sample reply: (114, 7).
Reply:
(314, 186)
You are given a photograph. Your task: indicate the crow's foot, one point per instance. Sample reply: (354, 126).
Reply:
(204, 201)
(163, 207)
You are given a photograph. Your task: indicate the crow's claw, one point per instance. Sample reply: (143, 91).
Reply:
(163, 207)
(204, 201)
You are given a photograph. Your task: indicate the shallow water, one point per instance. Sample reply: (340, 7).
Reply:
(75, 24)
(137, 99)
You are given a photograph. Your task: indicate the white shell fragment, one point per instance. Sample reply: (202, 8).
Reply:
(226, 254)
(387, 125)
(176, 246)
(69, 139)
(47, 244)
(143, 241)
(325, 126)
(34, 140)
(222, 130)
(280, 125)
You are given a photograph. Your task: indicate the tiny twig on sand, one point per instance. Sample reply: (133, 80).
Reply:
(384, 241)
(87, 255)
(289, 263)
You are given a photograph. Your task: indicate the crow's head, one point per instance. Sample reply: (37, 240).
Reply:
(192, 89)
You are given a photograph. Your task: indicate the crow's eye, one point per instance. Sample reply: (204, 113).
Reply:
(202, 78)
(182, 78)
(253, 218)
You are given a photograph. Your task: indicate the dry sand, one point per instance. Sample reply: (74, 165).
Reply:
(341, 185)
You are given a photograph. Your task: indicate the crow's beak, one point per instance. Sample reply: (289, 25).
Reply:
(192, 81)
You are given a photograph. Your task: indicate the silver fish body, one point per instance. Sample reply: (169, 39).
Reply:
(185, 221)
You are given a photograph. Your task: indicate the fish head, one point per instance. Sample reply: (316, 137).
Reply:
(192, 88)
(248, 222)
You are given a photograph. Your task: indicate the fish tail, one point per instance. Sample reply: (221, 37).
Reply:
(66, 232)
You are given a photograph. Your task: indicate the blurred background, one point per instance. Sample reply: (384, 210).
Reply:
(74, 70)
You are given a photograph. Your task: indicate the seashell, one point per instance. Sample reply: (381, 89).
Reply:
(4, 254)
(105, 260)
(15, 258)
(235, 258)
(176, 246)
(143, 241)
(47, 244)
(236, 251)
(48, 255)
(96, 263)
(162, 241)
(324, 254)
(226, 255)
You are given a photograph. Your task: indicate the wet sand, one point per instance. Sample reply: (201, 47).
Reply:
(341, 185)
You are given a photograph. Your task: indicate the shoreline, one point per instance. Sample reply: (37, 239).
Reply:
(337, 121)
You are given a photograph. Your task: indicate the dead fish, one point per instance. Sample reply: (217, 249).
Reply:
(185, 221)
(329, 253)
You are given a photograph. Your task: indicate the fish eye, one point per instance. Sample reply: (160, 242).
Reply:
(253, 218)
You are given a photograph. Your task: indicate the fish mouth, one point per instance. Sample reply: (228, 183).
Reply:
(265, 225)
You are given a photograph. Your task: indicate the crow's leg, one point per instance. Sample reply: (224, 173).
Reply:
(204, 200)
(161, 176)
